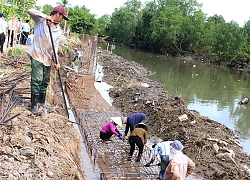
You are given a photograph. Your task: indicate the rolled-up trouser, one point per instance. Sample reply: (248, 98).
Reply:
(40, 76)
(164, 164)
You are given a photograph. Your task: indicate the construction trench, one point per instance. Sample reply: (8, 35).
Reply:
(111, 157)
(92, 111)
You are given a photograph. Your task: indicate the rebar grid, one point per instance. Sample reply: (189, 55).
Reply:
(111, 157)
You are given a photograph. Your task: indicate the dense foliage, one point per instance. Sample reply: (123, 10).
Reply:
(174, 27)
(178, 27)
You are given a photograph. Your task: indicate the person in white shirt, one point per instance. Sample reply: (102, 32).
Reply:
(3, 28)
(180, 166)
(41, 53)
(25, 30)
(13, 30)
(78, 56)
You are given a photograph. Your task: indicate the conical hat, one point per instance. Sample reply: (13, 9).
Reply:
(117, 120)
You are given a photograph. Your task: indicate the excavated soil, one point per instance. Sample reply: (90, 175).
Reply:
(36, 147)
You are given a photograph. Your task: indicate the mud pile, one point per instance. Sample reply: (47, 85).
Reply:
(209, 144)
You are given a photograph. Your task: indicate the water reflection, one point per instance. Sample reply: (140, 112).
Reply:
(213, 91)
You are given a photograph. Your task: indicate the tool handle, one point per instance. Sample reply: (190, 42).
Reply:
(59, 75)
(53, 46)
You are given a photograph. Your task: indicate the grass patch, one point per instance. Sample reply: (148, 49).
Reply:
(16, 52)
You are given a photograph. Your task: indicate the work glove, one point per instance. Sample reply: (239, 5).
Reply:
(121, 137)
(147, 165)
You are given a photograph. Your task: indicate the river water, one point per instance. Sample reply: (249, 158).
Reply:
(212, 91)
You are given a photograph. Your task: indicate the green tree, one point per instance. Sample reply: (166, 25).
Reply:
(208, 40)
(217, 19)
(47, 8)
(64, 3)
(188, 7)
(143, 29)
(81, 21)
(103, 23)
(124, 21)
(17, 7)
(247, 30)
(193, 32)
(230, 39)
(167, 29)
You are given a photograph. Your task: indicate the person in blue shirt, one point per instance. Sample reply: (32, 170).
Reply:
(133, 120)
(163, 150)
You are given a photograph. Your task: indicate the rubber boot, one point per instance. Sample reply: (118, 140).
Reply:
(34, 101)
(138, 158)
(42, 97)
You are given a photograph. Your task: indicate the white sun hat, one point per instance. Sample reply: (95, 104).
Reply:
(117, 120)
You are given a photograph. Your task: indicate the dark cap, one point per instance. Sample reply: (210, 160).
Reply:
(2, 15)
(177, 145)
(61, 10)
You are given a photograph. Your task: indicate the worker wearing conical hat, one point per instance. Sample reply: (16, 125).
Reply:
(110, 128)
